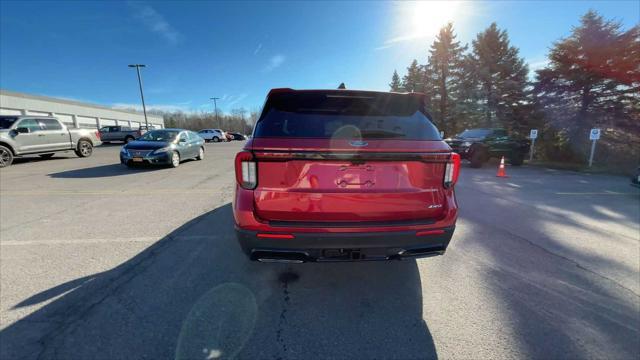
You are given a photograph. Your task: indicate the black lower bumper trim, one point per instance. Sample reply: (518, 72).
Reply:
(305, 247)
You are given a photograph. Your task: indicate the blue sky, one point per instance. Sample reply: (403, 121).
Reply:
(239, 50)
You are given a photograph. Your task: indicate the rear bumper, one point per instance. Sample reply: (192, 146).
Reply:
(340, 243)
(365, 246)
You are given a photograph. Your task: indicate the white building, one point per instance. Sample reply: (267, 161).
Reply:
(72, 113)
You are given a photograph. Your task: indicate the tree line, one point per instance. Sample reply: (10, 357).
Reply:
(238, 120)
(591, 80)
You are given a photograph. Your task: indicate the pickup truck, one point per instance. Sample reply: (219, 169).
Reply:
(43, 136)
(479, 145)
(121, 133)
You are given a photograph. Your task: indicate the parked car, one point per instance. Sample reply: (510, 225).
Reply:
(163, 147)
(635, 179)
(340, 175)
(44, 136)
(215, 135)
(119, 133)
(479, 145)
(237, 136)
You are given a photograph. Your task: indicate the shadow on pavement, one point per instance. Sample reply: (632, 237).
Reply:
(193, 294)
(35, 158)
(556, 297)
(103, 171)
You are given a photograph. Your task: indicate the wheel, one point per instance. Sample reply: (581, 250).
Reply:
(200, 154)
(46, 156)
(85, 148)
(175, 159)
(215, 139)
(477, 159)
(6, 157)
(128, 139)
(516, 159)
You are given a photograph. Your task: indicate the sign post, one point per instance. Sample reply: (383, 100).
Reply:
(533, 135)
(594, 136)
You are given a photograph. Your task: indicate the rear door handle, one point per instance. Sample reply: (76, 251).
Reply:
(40, 134)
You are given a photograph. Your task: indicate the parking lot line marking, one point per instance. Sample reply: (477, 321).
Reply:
(102, 240)
(109, 192)
(595, 193)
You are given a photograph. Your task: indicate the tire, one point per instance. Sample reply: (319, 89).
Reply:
(6, 157)
(200, 154)
(477, 159)
(46, 156)
(84, 149)
(516, 159)
(215, 139)
(128, 139)
(175, 159)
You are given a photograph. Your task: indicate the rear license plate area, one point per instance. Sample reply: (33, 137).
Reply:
(353, 254)
(355, 176)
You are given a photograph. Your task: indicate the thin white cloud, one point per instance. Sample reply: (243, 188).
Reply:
(234, 99)
(274, 62)
(382, 47)
(257, 50)
(155, 22)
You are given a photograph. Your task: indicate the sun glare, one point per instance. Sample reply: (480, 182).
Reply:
(423, 19)
(427, 17)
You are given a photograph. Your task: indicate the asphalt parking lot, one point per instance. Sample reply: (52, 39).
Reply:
(101, 261)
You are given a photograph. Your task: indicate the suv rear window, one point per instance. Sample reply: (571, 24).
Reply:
(345, 115)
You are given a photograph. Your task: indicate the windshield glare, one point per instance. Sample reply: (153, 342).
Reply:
(159, 135)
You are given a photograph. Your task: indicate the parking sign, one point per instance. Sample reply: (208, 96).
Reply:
(533, 134)
(594, 134)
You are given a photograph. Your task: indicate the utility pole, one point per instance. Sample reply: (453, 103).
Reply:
(244, 124)
(144, 107)
(215, 109)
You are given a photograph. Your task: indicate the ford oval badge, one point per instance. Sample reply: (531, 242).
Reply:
(358, 143)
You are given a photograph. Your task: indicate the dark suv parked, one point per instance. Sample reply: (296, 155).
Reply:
(479, 145)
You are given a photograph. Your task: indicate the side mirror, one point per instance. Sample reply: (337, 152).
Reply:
(23, 130)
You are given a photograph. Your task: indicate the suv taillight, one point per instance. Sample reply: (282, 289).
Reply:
(98, 135)
(246, 170)
(452, 170)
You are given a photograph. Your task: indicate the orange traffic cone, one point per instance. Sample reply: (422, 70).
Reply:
(501, 172)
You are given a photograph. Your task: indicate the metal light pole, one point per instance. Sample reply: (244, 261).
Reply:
(144, 107)
(215, 109)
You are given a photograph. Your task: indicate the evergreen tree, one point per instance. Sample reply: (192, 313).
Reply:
(592, 80)
(500, 79)
(443, 76)
(412, 82)
(395, 84)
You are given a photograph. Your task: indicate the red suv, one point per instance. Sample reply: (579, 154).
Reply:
(343, 175)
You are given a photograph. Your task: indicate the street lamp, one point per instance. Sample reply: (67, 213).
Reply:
(144, 108)
(215, 109)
